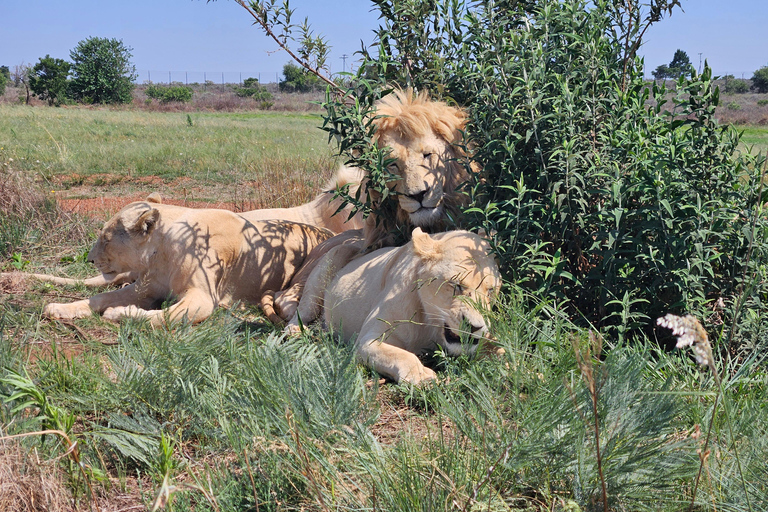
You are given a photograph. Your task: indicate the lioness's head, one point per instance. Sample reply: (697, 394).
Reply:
(423, 135)
(122, 243)
(458, 278)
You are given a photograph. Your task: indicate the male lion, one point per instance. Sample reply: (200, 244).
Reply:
(202, 257)
(423, 135)
(406, 300)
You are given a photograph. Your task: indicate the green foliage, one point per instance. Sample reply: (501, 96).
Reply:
(621, 210)
(48, 79)
(733, 106)
(5, 77)
(102, 71)
(680, 66)
(252, 89)
(166, 94)
(661, 72)
(735, 86)
(760, 80)
(762, 103)
(296, 79)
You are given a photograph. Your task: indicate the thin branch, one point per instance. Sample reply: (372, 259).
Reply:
(264, 25)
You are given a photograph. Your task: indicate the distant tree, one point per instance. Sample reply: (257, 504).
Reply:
(661, 72)
(297, 79)
(20, 76)
(5, 77)
(48, 79)
(735, 85)
(760, 80)
(680, 65)
(102, 71)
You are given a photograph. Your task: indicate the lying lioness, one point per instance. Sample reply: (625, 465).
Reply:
(202, 257)
(406, 300)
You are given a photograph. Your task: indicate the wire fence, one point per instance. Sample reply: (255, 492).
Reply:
(206, 77)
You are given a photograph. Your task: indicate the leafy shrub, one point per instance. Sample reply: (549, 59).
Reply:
(762, 103)
(252, 89)
(166, 94)
(760, 80)
(733, 106)
(735, 86)
(48, 79)
(619, 210)
(5, 77)
(102, 71)
(296, 79)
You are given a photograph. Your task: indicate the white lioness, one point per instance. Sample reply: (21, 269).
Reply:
(403, 301)
(324, 211)
(202, 257)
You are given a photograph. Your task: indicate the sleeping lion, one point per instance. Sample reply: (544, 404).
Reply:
(204, 258)
(398, 302)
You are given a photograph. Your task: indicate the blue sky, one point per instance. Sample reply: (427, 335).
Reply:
(191, 37)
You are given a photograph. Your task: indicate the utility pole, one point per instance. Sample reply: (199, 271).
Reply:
(699, 62)
(344, 62)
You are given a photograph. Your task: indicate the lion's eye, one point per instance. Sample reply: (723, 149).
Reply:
(427, 155)
(457, 289)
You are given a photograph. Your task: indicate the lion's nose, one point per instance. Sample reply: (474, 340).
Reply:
(419, 196)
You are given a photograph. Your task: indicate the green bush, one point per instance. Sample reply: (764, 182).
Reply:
(762, 103)
(5, 77)
(620, 211)
(296, 79)
(48, 79)
(733, 106)
(735, 86)
(760, 80)
(102, 71)
(166, 94)
(252, 89)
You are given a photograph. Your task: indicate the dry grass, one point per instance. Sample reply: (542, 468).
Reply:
(28, 484)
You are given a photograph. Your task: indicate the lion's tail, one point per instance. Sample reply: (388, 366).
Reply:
(267, 304)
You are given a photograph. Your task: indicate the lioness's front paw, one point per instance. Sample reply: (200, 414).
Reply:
(117, 313)
(292, 329)
(419, 375)
(66, 311)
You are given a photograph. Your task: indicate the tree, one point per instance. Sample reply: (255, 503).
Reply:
(661, 72)
(48, 79)
(5, 77)
(102, 71)
(760, 80)
(296, 79)
(680, 65)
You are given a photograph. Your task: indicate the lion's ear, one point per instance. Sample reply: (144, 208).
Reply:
(426, 247)
(155, 197)
(147, 222)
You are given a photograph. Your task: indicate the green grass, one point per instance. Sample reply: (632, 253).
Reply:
(230, 416)
(101, 147)
(755, 137)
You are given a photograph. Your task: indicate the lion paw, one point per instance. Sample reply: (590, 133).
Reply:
(292, 329)
(58, 311)
(419, 376)
(117, 313)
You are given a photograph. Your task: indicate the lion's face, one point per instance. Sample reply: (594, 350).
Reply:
(458, 280)
(122, 243)
(425, 165)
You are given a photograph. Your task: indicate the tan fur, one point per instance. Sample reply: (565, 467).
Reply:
(423, 135)
(399, 302)
(321, 211)
(204, 258)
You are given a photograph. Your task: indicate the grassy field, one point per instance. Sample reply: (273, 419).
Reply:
(230, 415)
(262, 159)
